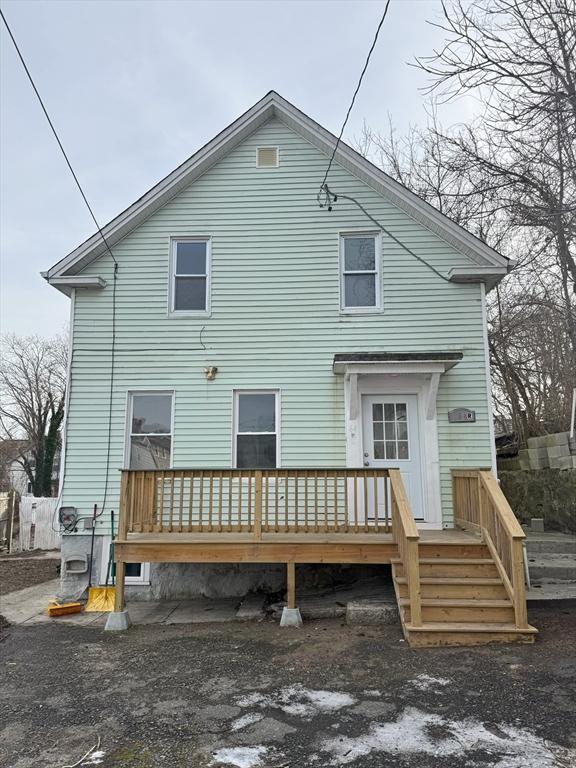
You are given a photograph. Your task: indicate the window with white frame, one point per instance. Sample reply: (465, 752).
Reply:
(149, 440)
(190, 276)
(135, 573)
(256, 429)
(360, 272)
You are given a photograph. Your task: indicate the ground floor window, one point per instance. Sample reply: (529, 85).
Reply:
(149, 438)
(256, 424)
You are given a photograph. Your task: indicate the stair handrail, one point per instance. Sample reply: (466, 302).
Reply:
(405, 535)
(504, 537)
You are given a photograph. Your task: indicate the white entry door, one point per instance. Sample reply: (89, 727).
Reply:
(392, 440)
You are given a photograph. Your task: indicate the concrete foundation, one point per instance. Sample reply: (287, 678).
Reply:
(118, 621)
(291, 618)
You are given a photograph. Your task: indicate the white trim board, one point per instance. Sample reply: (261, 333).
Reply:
(406, 384)
(270, 107)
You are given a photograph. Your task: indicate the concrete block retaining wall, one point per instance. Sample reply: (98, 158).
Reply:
(546, 493)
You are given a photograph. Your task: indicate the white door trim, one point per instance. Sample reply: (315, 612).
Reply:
(424, 386)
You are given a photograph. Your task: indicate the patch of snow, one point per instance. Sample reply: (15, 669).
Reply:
(425, 682)
(329, 701)
(246, 720)
(251, 699)
(241, 757)
(373, 693)
(421, 733)
(299, 701)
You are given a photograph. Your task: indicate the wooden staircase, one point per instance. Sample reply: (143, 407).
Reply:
(472, 593)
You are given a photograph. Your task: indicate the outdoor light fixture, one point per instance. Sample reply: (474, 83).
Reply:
(211, 372)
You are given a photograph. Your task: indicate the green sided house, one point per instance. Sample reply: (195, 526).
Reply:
(261, 374)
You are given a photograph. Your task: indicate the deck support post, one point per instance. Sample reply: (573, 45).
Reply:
(119, 619)
(291, 616)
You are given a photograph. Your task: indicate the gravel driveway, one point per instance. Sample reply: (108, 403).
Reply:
(24, 569)
(256, 696)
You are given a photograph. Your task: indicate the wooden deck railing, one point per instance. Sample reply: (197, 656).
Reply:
(256, 501)
(480, 505)
(406, 537)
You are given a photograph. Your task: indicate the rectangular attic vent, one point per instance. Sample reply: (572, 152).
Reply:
(267, 157)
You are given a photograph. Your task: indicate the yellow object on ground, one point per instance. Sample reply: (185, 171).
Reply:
(101, 599)
(62, 609)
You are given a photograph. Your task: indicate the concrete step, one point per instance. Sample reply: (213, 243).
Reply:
(560, 543)
(372, 611)
(554, 590)
(556, 567)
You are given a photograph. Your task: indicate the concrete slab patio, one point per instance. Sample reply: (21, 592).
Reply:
(27, 606)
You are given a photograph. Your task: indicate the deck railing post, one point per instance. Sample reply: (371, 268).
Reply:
(481, 506)
(517, 560)
(258, 505)
(125, 502)
(412, 567)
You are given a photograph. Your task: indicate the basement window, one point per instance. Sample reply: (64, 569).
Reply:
(136, 573)
(267, 157)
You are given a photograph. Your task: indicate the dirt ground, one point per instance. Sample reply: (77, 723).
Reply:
(24, 569)
(257, 696)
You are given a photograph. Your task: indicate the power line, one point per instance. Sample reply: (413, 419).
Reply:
(94, 219)
(51, 124)
(332, 197)
(354, 96)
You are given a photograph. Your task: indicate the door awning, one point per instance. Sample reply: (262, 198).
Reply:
(394, 362)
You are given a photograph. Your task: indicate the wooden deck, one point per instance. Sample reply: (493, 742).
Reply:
(458, 586)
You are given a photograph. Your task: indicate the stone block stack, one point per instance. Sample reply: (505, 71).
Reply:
(552, 451)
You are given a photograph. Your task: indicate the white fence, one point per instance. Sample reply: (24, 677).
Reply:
(5, 509)
(39, 528)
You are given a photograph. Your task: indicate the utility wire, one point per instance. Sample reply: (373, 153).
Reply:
(94, 219)
(51, 124)
(332, 197)
(355, 94)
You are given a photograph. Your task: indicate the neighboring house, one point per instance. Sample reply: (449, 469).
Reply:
(260, 338)
(12, 473)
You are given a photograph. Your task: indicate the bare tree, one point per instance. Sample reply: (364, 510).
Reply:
(519, 58)
(510, 178)
(32, 390)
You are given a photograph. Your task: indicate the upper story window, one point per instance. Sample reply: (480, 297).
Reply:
(149, 430)
(360, 272)
(190, 276)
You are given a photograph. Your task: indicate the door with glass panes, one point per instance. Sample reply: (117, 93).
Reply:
(391, 439)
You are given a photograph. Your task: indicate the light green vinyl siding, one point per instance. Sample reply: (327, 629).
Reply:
(275, 321)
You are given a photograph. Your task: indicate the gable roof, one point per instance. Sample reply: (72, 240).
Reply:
(491, 265)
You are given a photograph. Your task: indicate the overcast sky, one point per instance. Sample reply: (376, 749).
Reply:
(134, 87)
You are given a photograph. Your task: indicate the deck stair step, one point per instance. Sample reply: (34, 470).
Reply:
(449, 560)
(453, 580)
(470, 610)
(459, 603)
(462, 627)
(431, 634)
(454, 567)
